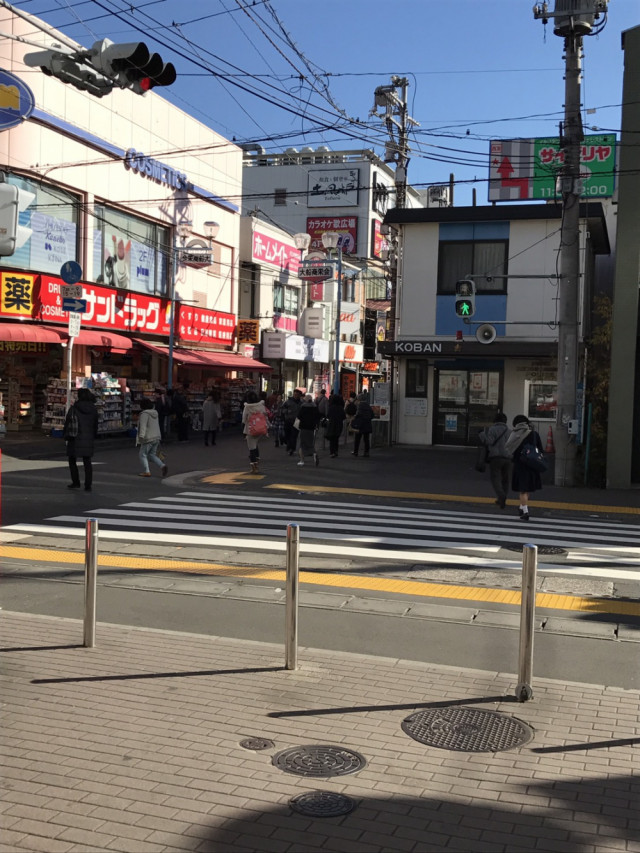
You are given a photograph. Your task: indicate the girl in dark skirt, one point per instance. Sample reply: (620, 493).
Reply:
(524, 480)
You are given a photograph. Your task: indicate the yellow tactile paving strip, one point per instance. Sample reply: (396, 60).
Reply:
(428, 496)
(423, 589)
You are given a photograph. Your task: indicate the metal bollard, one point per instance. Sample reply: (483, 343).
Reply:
(291, 626)
(90, 582)
(524, 690)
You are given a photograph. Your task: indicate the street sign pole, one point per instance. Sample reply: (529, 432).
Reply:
(74, 331)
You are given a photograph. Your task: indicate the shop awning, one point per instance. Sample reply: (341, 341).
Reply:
(233, 361)
(98, 338)
(202, 358)
(32, 332)
(182, 356)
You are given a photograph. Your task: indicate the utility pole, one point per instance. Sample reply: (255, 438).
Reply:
(397, 120)
(573, 19)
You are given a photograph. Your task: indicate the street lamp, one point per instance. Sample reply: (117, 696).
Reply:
(302, 241)
(211, 229)
(182, 231)
(332, 240)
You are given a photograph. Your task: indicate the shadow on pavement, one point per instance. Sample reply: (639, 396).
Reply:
(574, 817)
(361, 709)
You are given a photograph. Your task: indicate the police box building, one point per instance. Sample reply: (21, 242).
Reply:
(460, 357)
(124, 272)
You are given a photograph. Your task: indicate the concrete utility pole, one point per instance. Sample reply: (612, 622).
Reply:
(397, 120)
(573, 19)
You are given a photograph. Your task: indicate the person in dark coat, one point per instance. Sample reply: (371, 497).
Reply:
(81, 445)
(361, 423)
(335, 422)
(524, 480)
(309, 418)
(163, 408)
(290, 409)
(180, 410)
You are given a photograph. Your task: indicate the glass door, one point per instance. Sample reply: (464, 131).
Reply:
(466, 402)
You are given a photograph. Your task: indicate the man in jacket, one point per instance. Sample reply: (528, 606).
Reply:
(499, 459)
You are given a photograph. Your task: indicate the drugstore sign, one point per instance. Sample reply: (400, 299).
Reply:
(27, 296)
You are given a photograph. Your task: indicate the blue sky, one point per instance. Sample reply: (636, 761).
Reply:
(302, 73)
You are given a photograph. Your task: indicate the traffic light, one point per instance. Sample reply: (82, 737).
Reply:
(13, 201)
(64, 67)
(465, 298)
(131, 66)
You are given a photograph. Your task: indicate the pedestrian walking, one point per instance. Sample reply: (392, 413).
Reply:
(494, 440)
(308, 420)
(148, 438)
(335, 423)
(361, 424)
(290, 409)
(163, 407)
(323, 403)
(277, 420)
(180, 412)
(211, 414)
(255, 426)
(80, 430)
(523, 444)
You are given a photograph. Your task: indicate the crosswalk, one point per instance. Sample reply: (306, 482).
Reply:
(356, 529)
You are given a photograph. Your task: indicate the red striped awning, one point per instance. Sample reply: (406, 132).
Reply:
(206, 358)
(32, 332)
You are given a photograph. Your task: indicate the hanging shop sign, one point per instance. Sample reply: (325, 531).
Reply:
(196, 254)
(16, 100)
(294, 347)
(353, 353)
(200, 325)
(268, 250)
(248, 331)
(26, 296)
(345, 226)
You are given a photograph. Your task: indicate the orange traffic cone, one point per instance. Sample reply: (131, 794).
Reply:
(550, 448)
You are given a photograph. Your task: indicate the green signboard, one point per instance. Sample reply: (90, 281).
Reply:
(597, 166)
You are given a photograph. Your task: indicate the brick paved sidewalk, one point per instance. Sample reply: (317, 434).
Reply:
(135, 746)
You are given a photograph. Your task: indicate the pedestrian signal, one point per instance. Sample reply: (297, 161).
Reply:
(465, 298)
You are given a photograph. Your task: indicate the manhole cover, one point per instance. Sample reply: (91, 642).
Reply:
(542, 549)
(467, 729)
(256, 743)
(322, 804)
(319, 761)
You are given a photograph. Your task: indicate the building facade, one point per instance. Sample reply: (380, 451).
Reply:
(452, 375)
(144, 199)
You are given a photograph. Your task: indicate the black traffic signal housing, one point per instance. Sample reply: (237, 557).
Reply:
(131, 66)
(465, 298)
(68, 69)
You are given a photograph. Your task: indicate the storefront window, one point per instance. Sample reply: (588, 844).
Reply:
(130, 253)
(53, 219)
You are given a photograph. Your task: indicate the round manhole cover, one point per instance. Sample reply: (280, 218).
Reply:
(322, 804)
(467, 729)
(256, 743)
(543, 550)
(319, 761)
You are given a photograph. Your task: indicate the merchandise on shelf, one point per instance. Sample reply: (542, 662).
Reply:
(18, 397)
(112, 402)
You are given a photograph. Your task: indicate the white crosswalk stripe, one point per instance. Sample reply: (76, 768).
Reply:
(389, 532)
